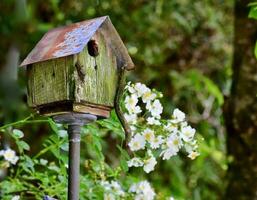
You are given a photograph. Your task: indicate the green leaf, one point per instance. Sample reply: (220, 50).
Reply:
(18, 133)
(123, 152)
(123, 164)
(27, 164)
(23, 145)
(253, 11)
(53, 125)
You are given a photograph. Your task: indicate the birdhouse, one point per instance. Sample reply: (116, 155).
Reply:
(75, 68)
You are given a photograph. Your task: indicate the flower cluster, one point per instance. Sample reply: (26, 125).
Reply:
(142, 190)
(152, 134)
(112, 190)
(9, 156)
(138, 191)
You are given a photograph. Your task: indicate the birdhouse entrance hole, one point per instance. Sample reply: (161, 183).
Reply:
(92, 48)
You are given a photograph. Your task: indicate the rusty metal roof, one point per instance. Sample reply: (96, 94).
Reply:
(72, 39)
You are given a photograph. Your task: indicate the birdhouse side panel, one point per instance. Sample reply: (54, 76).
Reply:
(50, 81)
(106, 72)
(98, 81)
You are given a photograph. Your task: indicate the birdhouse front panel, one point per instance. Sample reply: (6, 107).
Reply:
(96, 76)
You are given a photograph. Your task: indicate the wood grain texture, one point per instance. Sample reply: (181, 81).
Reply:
(49, 81)
(100, 82)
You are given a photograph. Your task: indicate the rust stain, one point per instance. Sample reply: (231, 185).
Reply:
(64, 41)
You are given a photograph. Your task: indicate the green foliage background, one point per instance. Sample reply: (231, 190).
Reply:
(182, 48)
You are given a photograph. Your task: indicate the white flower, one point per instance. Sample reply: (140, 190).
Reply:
(143, 191)
(131, 102)
(171, 127)
(191, 146)
(109, 196)
(193, 155)
(172, 146)
(112, 189)
(156, 142)
(43, 161)
(171, 198)
(106, 185)
(131, 118)
(10, 156)
(149, 164)
(178, 115)
(148, 134)
(155, 108)
(116, 188)
(153, 121)
(148, 96)
(135, 110)
(187, 133)
(137, 142)
(130, 88)
(135, 162)
(140, 89)
(16, 197)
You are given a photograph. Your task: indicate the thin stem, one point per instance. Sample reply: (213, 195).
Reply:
(23, 122)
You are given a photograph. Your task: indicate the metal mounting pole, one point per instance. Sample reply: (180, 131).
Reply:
(75, 121)
(74, 161)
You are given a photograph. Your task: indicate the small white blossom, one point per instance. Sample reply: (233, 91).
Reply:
(178, 115)
(112, 189)
(156, 142)
(140, 89)
(187, 133)
(148, 134)
(130, 88)
(193, 155)
(143, 191)
(106, 185)
(153, 121)
(171, 127)
(137, 142)
(135, 162)
(131, 118)
(155, 108)
(171, 198)
(172, 146)
(135, 110)
(191, 146)
(148, 96)
(109, 196)
(149, 164)
(131, 102)
(16, 197)
(10, 156)
(116, 188)
(43, 161)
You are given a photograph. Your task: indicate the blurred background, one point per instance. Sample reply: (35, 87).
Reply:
(182, 48)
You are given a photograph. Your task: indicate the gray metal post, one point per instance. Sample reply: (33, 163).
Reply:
(74, 161)
(75, 121)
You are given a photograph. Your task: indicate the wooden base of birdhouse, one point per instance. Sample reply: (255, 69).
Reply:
(69, 106)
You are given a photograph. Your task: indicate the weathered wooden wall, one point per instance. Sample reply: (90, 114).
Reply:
(75, 78)
(100, 82)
